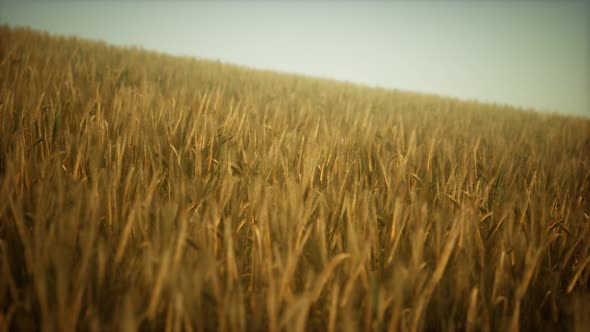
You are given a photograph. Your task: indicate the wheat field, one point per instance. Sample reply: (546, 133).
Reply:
(140, 191)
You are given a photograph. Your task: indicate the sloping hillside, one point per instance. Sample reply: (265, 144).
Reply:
(139, 190)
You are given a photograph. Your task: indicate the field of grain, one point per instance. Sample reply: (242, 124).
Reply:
(140, 191)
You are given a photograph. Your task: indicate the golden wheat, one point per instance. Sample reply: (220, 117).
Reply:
(142, 191)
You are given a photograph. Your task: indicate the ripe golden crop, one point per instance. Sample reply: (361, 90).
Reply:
(143, 191)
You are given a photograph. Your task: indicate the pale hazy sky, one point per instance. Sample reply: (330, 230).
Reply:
(530, 54)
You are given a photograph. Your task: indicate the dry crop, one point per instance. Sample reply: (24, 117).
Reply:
(143, 191)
